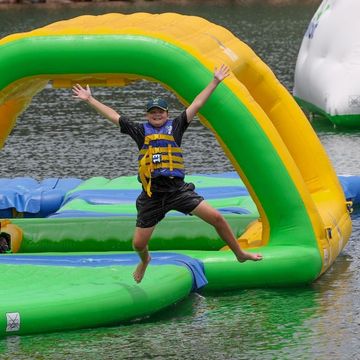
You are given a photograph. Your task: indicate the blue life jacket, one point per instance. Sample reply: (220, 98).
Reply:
(160, 155)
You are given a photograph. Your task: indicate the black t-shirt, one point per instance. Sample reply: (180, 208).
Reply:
(137, 133)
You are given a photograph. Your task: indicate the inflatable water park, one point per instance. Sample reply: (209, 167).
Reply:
(327, 73)
(67, 258)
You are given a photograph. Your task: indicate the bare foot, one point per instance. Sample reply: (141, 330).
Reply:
(140, 270)
(244, 256)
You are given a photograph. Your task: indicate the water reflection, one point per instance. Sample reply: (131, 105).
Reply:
(283, 323)
(225, 326)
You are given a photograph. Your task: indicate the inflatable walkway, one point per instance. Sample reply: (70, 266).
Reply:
(304, 217)
(327, 74)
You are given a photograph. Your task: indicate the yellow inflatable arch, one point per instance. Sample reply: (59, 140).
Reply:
(304, 215)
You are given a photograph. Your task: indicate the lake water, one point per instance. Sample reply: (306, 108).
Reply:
(58, 137)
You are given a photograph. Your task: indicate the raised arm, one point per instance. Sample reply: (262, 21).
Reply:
(104, 110)
(200, 100)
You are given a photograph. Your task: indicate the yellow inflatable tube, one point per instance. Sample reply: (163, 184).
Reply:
(260, 127)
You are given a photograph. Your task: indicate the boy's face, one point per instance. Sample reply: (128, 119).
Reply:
(157, 117)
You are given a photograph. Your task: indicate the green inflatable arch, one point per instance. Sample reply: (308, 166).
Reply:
(254, 118)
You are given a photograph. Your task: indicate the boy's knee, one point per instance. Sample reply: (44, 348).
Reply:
(218, 219)
(138, 247)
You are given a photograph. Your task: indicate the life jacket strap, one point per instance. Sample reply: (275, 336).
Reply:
(145, 169)
(152, 137)
(166, 166)
(170, 158)
(161, 150)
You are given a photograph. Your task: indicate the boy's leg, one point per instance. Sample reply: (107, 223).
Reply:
(213, 217)
(140, 245)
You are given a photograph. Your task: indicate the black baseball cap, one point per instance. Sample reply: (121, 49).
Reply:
(157, 103)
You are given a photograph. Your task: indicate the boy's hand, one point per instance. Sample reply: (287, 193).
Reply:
(222, 73)
(81, 93)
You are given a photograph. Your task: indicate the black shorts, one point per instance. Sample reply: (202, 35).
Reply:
(153, 209)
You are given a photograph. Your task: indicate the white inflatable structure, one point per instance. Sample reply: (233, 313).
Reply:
(327, 74)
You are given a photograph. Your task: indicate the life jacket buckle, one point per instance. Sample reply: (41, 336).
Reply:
(156, 158)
